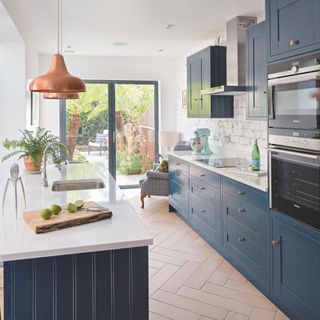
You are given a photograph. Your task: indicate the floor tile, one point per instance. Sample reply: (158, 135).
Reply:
(190, 304)
(181, 276)
(161, 277)
(215, 300)
(154, 316)
(239, 296)
(262, 314)
(171, 312)
(222, 274)
(179, 254)
(280, 316)
(166, 259)
(200, 277)
(236, 316)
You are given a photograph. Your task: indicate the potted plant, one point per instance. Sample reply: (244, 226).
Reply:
(31, 147)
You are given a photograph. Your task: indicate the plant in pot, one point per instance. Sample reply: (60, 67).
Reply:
(31, 146)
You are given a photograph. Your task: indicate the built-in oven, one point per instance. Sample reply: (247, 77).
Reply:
(295, 184)
(290, 88)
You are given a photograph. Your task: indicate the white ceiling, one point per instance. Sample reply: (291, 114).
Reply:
(92, 26)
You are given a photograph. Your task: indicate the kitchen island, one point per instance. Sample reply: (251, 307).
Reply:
(94, 271)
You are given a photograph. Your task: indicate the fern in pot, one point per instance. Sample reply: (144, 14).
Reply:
(31, 146)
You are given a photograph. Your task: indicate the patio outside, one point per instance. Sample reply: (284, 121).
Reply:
(87, 127)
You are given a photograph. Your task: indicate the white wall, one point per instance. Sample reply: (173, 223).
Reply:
(118, 68)
(12, 90)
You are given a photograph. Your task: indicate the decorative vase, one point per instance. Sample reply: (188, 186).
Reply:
(32, 165)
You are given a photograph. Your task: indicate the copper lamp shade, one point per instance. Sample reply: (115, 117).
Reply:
(57, 80)
(61, 96)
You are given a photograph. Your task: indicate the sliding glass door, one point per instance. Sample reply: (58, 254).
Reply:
(115, 122)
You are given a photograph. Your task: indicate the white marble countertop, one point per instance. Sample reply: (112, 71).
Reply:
(260, 183)
(123, 230)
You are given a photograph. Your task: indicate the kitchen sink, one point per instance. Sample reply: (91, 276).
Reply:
(81, 184)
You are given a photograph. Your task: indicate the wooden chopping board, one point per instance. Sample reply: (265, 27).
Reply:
(65, 219)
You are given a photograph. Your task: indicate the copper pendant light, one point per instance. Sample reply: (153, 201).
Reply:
(61, 96)
(58, 80)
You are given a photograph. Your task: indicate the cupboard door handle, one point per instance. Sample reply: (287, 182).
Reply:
(241, 239)
(275, 242)
(195, 99)
(293, 42)
(241, 210)
(241, 193)
(202, 175)
(203, 188)
(203, 211)
(177, 163)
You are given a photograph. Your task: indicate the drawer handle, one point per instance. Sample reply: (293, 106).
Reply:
(203, 188)
(241, 210)
(202, 175)
(178, 163)
(241, 193)
(293, 42)
(241, 239)
(203, 211)
(275, 242)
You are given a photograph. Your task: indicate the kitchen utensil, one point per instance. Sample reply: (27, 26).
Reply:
(14, 178)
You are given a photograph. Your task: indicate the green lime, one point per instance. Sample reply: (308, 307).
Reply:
(71, 208)
(56, 209)
(79, 204)
(46, 213)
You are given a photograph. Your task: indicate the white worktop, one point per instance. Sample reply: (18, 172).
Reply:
(260, 183)
(123, 230)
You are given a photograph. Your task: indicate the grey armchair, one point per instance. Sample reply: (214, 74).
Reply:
(154, 183)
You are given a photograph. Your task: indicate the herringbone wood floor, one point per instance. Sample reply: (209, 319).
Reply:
(189, 280)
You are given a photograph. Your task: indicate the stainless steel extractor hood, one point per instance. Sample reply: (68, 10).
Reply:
(236, 58)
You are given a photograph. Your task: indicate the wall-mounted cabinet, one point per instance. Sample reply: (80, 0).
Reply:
(206, 69)
(256, 72)
(293, 27)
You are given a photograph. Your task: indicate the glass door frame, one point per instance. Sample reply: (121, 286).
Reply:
(111, 116)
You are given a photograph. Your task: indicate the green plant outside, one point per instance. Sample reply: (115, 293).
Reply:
(129, 164)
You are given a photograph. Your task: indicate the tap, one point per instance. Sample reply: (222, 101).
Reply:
(44, 178)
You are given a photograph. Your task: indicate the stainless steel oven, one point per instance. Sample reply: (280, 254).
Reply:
(290, 86)
(295, 184)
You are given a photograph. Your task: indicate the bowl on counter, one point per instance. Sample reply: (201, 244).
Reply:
(197, 144)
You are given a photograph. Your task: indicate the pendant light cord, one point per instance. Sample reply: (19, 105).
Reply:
(59, 27)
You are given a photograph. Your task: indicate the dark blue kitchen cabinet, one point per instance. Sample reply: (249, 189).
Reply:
(245, 212)
(179, 187)
(205, 205)
(296, 268)
(293, 27)
(206, 69)
(256, 73)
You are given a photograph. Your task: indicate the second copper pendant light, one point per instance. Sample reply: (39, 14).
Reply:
(58, 83)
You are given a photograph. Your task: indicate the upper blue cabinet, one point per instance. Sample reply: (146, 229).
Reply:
(293, 27)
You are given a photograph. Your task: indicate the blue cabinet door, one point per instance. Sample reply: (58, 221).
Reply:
(292, 27)
(193, 75)
(256, 57)
(296, 268)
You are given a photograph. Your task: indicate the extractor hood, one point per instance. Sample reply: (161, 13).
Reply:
(236, 58)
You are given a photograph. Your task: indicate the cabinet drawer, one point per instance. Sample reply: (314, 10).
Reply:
(204, 191)
(254, 197)
(205, 218)
(239, 240)
(206, 176)
(251, 217)
(178, 165)
(179, 177)
(179, 194)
